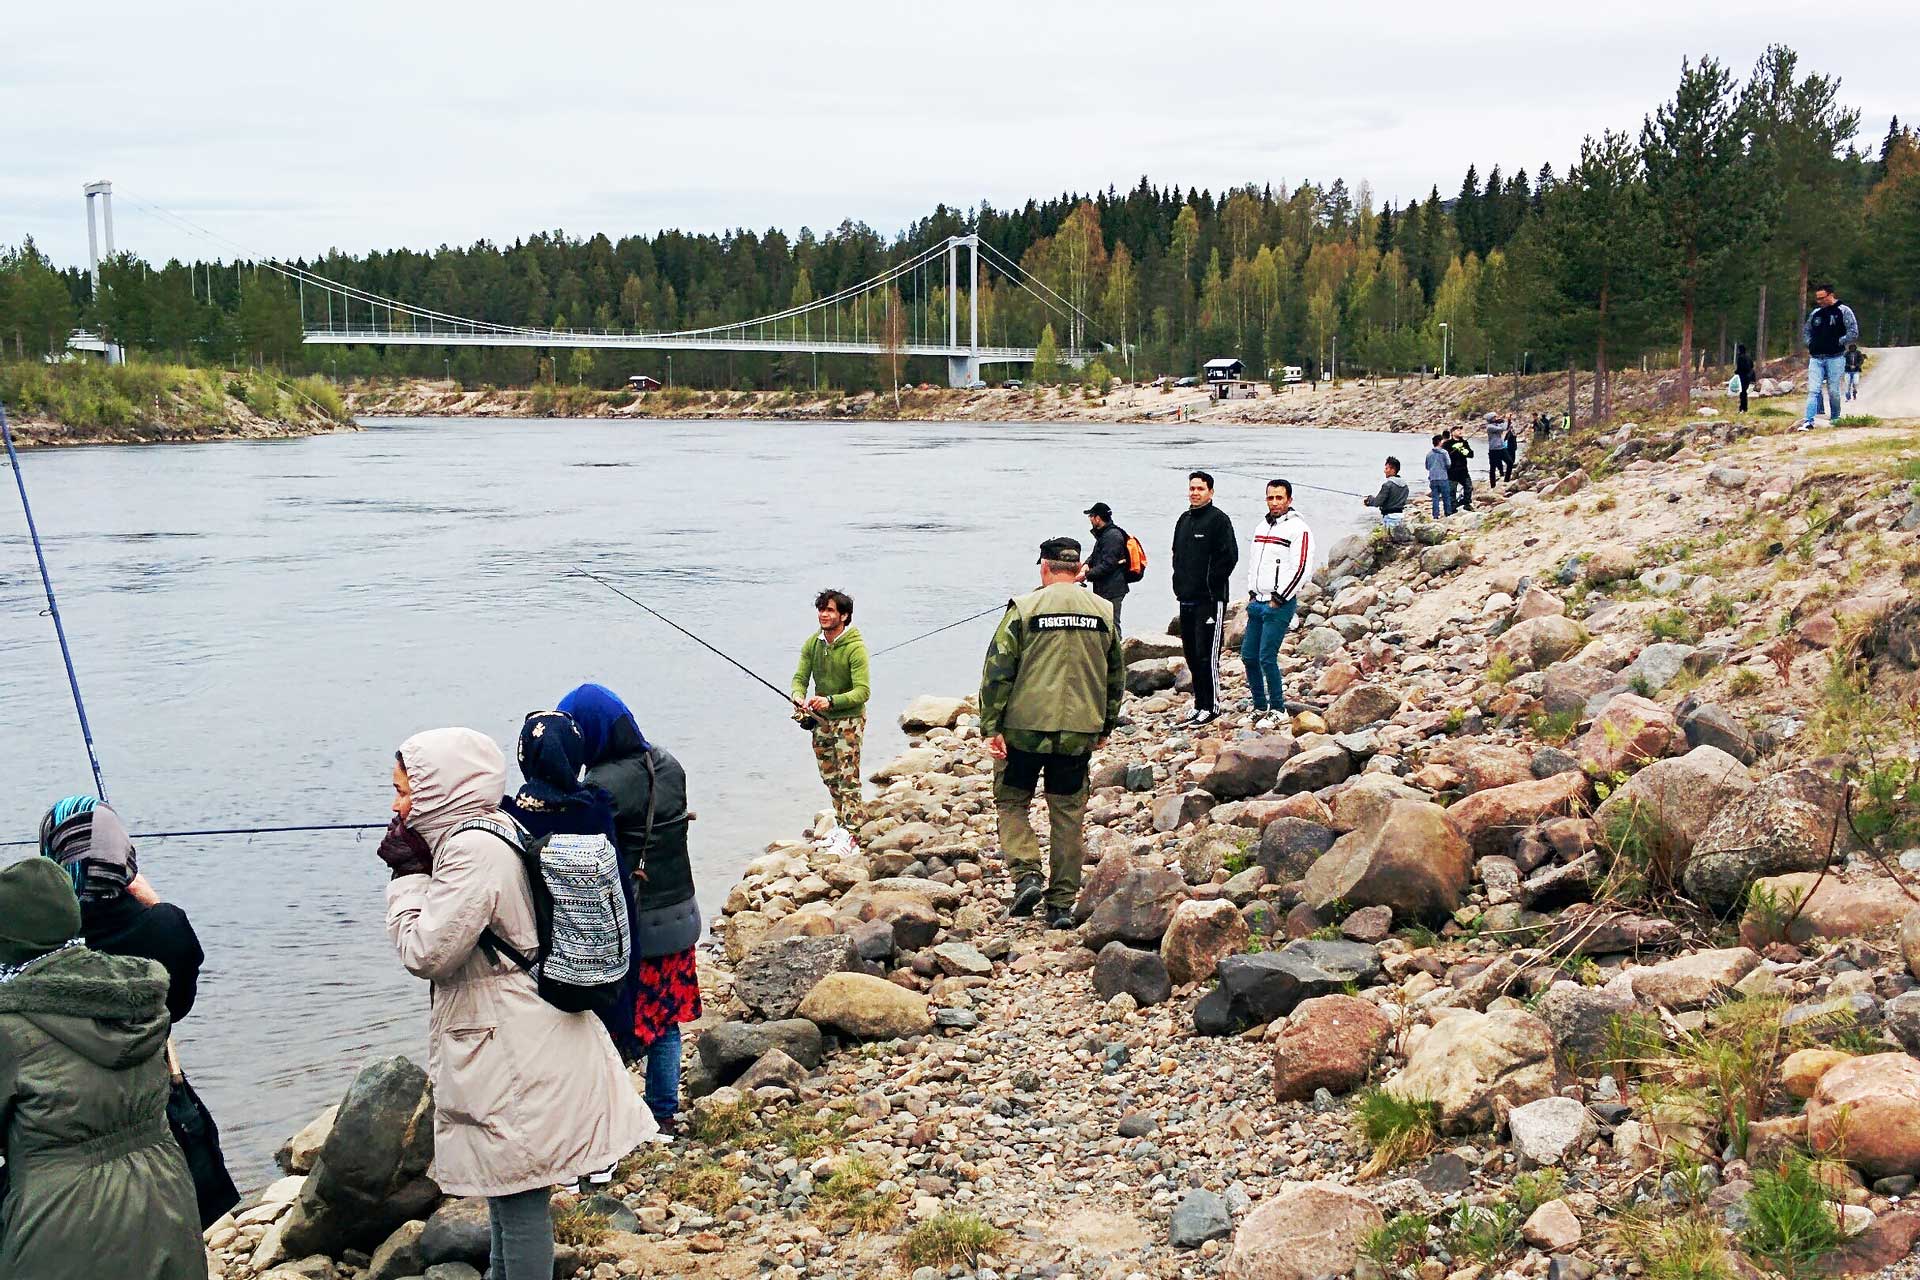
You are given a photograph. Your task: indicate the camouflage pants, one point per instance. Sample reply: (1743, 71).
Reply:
(836, 745)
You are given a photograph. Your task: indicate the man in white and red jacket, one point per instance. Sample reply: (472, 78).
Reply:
(1281, 558)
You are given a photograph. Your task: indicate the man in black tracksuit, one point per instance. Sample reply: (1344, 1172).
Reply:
(1204, 554)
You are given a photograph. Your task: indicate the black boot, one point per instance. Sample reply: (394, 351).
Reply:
(1027, 894)
(1062, 918)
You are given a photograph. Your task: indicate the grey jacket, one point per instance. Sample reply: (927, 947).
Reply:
(1438, 466)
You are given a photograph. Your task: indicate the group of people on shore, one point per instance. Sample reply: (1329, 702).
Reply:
(1831, 335)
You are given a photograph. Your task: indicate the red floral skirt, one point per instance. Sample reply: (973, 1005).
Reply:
(668, 993)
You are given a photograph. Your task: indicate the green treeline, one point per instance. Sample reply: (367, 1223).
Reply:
(1704, 227)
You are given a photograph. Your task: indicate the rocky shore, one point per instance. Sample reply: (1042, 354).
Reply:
(1564, 928)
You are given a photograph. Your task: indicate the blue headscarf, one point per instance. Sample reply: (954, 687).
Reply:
(597, 710)
(90, 843)
(552, 755)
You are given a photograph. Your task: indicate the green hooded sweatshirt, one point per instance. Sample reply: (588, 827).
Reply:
(838, 672)
(98, 1184)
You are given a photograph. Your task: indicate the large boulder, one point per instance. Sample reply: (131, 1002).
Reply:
(1550, 1131)
(1489, 820)
(1581, 1021)
(1657, 666)
(1303, 1231)
(1141, 974)
(1198, 935)
(728, 1048)
(1629, 732)
(1151, 675)
(1537, 602)
(866, 1007)
(1609, 563)
(777, 974)
(1567, 687)
(1249, 767)
(1694, 981)
(458, 1231)
(1414, 862)
(1867, 1112)
(371, 1173)
(297, 1154)
(1314, 769)
(399, 1255)
(1712, 726)
(1364, 801)
(1470, 1059)
(1444, 557)
(1784, 824)
(1329, 1042)
(1138, 910)
(1289, 846)
(1538, 643)
(930, 711)
(1667, 805)
(1360, 706)
(1271, 984)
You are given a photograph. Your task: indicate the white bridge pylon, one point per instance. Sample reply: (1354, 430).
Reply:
(875, 317)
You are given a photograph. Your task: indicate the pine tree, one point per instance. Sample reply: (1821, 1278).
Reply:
(1467, 218)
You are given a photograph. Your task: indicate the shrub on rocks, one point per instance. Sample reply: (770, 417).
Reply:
(1141, 974)
(1490, 820)
(1198, 935)
(1329, 1042)
(1305, 1230)
(1271, 984)
(777, 975)
(1629, 732)
(1249, 767)
(1470, 1059)
(1783, 824)
(1414, 862)
(1137, 911)
(866, 1008)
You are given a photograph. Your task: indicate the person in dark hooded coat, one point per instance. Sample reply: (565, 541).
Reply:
(97, 1185)
(649, 792)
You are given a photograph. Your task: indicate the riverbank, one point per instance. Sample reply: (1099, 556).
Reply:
(1383, 404)
(86, 402)
(1566, 913)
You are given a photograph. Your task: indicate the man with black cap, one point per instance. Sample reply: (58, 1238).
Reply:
(1107, 562)
(1049, 695)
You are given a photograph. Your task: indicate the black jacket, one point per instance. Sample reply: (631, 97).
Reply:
(1458, 451)
(1392, 498)
(1856, 360)
(123, 926)
(1204, 553)
(1107, 564)
(1743, 366)
(623, 775)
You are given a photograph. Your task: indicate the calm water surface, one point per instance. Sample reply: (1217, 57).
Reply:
(257, 626)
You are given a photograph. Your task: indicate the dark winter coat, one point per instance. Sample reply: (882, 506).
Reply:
(124, 926)
(1204, 554)
(1743, 366)
(1107, 564)
(98, 1186)
(1458, 451)
(663, 861)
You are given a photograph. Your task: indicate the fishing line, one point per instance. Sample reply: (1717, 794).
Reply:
(53, 606)
(785, 696)
(1298, 484)
(998, 608)
(229, 831)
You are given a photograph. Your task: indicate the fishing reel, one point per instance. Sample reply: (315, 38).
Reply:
(806, 719)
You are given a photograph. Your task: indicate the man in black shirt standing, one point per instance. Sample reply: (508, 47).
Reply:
(1107, 564)
(1204, 554)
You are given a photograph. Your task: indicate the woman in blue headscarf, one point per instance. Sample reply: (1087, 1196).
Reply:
(649, 793)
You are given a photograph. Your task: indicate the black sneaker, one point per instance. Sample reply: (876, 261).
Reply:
(1026, 896)
(1062, 919)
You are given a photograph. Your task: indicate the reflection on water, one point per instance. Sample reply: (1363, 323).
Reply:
(294, 610)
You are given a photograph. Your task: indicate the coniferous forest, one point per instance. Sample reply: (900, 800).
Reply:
(1705, 225)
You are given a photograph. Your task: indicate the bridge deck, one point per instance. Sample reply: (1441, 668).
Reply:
(659, 342)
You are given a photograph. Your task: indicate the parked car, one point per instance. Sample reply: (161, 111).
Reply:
(977, 384)
(1187, 382)
(641, 382)
(1013, 384)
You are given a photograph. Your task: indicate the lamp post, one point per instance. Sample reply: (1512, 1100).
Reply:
(1444, 335)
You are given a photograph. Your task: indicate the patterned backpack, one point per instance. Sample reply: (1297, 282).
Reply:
(579, 913)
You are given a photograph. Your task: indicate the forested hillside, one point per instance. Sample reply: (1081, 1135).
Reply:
(1701, 227)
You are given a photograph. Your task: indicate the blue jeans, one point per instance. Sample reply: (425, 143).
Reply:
(1260, 649)
(1853, 384)
(1442, 497)
(663, 1075)
(1828, 370)
(521, 1235)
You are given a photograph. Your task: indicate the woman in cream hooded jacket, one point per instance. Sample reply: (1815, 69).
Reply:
(526, 1096)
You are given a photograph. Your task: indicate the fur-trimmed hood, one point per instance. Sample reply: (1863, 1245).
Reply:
(112, 1010)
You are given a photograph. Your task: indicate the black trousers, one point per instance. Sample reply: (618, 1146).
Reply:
(1201, 627)
(1116, 602)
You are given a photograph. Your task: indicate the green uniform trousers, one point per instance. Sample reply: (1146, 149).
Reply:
(1014, 781)
(836, 746)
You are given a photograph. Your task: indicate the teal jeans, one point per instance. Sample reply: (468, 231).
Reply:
(1260, 649)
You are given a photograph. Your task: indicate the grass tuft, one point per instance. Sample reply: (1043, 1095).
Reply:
(1792, 1218)
(949, 1239)
(1397, 1129)
(578, 1225)
(850, 1195)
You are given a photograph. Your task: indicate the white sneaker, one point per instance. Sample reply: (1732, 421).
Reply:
(1805, 426)
(1264, 723)
(1204, 717)
(840, 843)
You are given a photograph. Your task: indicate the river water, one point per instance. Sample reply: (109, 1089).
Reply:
(256, 627)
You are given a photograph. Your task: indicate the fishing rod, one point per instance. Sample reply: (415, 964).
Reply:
(228, 831)
(998, 608)
(53, 605)
(785, 696)
(1298, 484)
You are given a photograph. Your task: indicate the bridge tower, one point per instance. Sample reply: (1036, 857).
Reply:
(104, 190)
(963, 370)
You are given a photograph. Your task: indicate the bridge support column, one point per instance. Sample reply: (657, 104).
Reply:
(963, 371)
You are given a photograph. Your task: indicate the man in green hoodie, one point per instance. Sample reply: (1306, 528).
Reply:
(834, 662)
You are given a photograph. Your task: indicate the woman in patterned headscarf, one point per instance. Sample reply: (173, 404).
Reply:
(120, 915)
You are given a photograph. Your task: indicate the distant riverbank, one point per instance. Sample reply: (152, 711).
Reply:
(84, 402)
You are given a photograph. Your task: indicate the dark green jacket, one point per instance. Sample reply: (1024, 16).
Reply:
(97, 1185)
(838, 672)
(1054, 673)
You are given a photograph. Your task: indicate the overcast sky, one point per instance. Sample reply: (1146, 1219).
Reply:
(291, 129)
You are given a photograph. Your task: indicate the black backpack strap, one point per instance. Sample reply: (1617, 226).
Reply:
(491, 944)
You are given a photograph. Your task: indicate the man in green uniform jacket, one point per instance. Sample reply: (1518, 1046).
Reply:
(1049, 694)
(834, 662)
